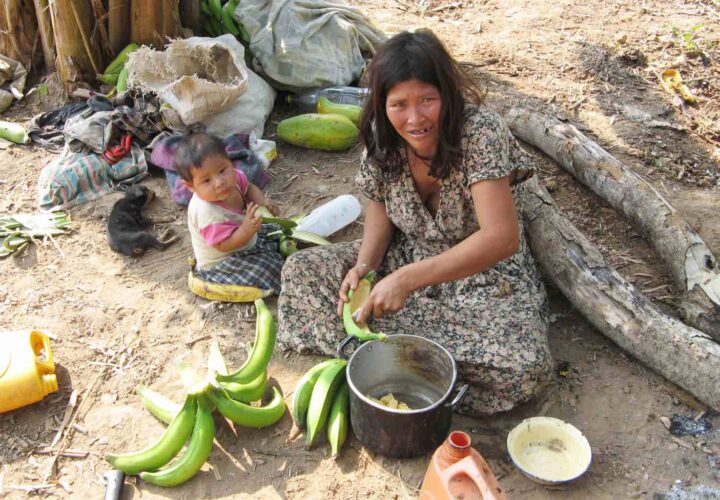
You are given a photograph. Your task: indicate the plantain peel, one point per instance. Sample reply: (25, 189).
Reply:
(358, 298)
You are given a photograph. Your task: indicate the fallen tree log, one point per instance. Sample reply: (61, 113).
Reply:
(692, 264)
(678, 352)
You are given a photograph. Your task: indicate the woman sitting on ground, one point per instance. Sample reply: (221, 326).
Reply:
(443, 177)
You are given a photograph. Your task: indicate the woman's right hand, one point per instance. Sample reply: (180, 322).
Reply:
(350, 282)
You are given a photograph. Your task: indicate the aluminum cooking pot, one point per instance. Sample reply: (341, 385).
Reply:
(416, 371)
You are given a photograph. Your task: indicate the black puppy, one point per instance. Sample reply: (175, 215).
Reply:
(126, 224)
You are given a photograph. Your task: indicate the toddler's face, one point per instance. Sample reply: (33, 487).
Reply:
(214, 180)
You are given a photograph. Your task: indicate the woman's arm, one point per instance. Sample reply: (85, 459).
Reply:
(497, 239)
(377, 233)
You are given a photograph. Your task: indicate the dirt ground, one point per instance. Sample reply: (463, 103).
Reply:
(119, 322)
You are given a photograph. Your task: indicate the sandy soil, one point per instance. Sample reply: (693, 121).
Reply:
(119, 322)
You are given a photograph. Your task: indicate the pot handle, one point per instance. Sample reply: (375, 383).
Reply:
(343, 345)
(458, 396)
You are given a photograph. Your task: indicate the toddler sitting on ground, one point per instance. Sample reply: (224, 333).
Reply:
(230, 243)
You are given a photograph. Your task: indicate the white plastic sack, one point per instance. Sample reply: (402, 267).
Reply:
(249, 113)
(15, 73)
(198, 77)
(302, 44)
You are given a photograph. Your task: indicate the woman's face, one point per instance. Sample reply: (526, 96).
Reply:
(413, 108)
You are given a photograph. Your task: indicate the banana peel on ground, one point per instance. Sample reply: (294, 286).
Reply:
(223, 293)
(672, 82)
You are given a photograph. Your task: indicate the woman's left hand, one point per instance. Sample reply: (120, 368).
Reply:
(387, 296)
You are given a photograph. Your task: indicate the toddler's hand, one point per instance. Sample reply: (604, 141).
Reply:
(252, 219)
(272, 205)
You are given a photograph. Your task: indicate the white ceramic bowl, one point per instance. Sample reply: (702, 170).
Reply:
(548, 450)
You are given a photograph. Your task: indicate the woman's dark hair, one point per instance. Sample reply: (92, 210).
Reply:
(417, 55)
(193, 150)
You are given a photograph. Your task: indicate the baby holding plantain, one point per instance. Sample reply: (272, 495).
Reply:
(230, 243)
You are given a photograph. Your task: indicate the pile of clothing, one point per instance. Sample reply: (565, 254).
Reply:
(105, 144)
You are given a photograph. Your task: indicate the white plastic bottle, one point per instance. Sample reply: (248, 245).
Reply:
(307, 101)
(331, 216)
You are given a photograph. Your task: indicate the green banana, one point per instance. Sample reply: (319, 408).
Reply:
(321, 399)
(338, 420)
(122, 81)
(109, 78)
(269, 218)
(113, 70)
(215, 8)
(161, 407)
(246, 393)
(250, 416)
(352, 111)
(283, 223)
(196, 454)
(119, 62)
(362, 333)
(160, 453)
(304, 389)
(257, 362)
(227, 19)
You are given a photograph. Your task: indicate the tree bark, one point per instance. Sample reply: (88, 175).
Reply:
(42, 13)
(18, 30)
(190, 15)
(78, 53)
(691, 263)
(154, 21)
(680, 353)
(118, 24)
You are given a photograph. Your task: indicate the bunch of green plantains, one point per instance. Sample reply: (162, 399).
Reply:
(218, 19)
(322, 398)
(192, 422)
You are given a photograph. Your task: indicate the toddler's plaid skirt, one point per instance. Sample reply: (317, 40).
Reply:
(258, 266)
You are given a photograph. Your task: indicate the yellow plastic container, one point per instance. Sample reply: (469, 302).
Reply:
(27, 369)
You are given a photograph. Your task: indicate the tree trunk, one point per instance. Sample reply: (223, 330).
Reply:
(691, 263)
(618, 309)
(18, 30)
(190, 15)
(78, 53)
(42, 13)
(154, 21)
(118, 25)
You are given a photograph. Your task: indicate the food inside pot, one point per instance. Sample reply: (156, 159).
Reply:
(390, 401)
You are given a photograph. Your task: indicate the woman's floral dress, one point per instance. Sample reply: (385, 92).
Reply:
(494, 323)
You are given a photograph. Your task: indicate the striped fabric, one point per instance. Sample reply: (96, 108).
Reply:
(76, 178)
(257, 266)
